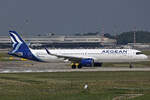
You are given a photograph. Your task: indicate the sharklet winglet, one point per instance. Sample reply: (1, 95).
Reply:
(47, 51)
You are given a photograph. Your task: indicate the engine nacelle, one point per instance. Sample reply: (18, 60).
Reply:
(87, 62)
(97, 64)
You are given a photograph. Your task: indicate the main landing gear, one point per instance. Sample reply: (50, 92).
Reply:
(76, 65)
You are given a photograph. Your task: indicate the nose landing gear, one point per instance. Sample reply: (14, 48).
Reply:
(130, 66)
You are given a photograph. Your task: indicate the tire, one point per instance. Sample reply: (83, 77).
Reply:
(79, 66)
(130, 66)
(73, 66)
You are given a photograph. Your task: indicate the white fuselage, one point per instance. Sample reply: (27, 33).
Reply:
(98, 55)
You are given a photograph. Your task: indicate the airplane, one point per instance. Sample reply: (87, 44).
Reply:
(78, 57)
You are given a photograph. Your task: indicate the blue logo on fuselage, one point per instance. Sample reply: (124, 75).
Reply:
(114, 51)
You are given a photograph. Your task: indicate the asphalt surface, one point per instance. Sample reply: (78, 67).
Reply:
(29, 66)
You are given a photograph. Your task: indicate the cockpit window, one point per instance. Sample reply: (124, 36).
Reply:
(138, 53)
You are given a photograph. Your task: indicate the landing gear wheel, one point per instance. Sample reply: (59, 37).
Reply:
(130, 66)
(73, 66)
(79, 66)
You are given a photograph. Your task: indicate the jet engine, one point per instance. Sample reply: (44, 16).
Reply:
(90, 63)
(87, 62)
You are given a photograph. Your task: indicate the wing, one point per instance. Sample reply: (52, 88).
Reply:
(70, 58)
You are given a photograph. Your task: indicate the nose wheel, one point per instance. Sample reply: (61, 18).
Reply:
(130, 66)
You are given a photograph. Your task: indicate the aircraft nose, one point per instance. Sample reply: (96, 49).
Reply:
(145, 57)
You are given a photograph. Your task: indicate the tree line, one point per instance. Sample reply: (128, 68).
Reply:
(128, 37)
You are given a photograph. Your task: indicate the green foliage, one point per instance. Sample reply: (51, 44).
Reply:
(128, 37)
(69, 85)
(146, 52)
